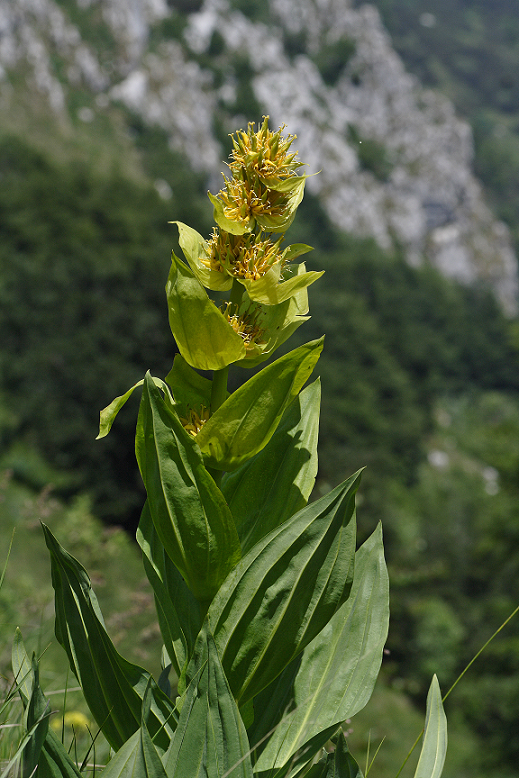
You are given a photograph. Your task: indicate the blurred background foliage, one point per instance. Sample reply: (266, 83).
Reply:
(420, 385)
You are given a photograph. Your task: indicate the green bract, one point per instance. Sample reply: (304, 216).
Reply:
(273, 623)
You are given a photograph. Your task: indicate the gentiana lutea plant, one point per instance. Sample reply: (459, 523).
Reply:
(273, 622)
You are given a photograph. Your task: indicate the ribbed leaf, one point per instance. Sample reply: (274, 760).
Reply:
(246, 421)
(278, 481)
(338, 670)
(434, 746)
(112, 686)
(138, 758)
(284, 591)
(204, 337)
(178, 611)
(210, 741)
(188, 510)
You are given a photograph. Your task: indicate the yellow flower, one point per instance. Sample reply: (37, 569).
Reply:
(264, 154)
(194, 421)
(241, 256)
(245, 325)
(244, 200)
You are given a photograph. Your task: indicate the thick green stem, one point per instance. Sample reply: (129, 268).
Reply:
(236, 293)
(219, 388)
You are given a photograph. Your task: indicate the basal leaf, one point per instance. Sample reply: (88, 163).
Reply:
(284, 591)
(188, 510)
(269, 488)
(434, 746)
(210, 741)
(178, 610)
(204, 337)
(246, 421)
(112, 686)
(338, 670)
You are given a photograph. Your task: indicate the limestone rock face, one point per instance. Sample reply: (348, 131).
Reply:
(395, 161)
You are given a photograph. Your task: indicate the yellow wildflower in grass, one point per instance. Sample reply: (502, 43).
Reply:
(241, 256)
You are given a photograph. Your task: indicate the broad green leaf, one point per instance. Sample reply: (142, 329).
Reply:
(178, 611)
(434, 746)
(138, 757)
(112, 686)
(269, 291)
(284, 591)
(192, 244)
(188, 510)
(269, 488)
(246, 421)
(210, 740)
(108, 414)
(228, 225)
(338, 670)
(204, 337)
(190, 389)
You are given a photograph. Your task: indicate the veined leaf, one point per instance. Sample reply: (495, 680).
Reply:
(192, 244)
(269, 488)
(204, 337)
(138, 757)
(337, 673)
(246, 421)
(210, 741)
(284, 591)
(178, 610)
(112, 686)
(434, 746)
(188, 510)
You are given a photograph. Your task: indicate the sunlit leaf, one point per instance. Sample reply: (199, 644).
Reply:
(246, 421)
(284, 591)
(204, 337)
(434, 746)
(338, 670)
(188, 510)
(269, 488)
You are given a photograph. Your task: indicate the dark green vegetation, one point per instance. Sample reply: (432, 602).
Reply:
(412, 364)
(469, 50)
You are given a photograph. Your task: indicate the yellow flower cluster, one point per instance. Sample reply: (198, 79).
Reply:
(242, 256)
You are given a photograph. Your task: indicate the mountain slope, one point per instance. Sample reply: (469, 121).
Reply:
(395, 161)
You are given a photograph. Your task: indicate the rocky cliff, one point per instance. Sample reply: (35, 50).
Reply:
(394, 160)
